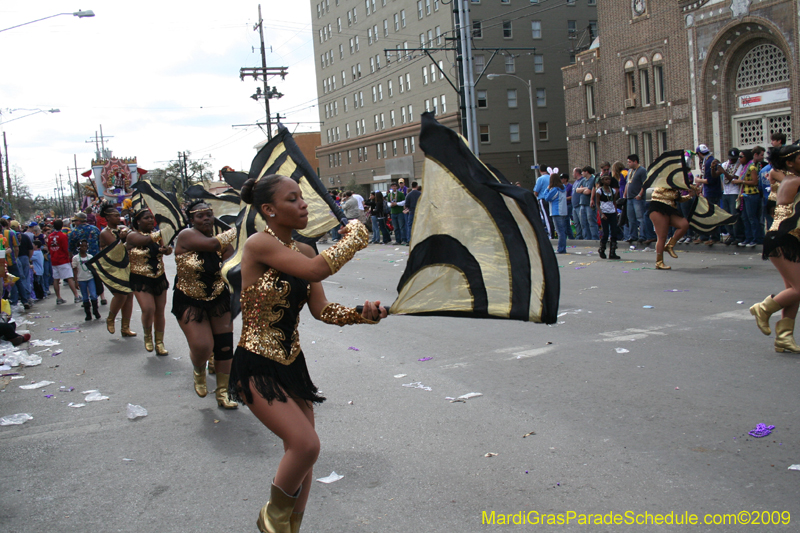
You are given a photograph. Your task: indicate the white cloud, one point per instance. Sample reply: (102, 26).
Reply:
(161, 77)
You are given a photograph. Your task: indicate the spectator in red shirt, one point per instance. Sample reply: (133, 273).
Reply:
(58, 244)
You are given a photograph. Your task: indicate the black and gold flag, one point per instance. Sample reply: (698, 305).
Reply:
(704, 217)
(226, 205)
(478, 246)
(165, 207)
(111, 265)
(669, 170)
(281, 155)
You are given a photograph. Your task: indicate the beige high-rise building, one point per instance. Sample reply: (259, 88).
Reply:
(381, 63)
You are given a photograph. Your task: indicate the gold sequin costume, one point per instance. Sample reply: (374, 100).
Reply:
(268, 356)
(783, 237)
(665, 200)
(199, 287)
(147, 266)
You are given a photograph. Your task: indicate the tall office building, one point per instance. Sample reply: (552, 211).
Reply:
(381, 63)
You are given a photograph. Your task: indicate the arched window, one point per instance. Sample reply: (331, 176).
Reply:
(765, 64)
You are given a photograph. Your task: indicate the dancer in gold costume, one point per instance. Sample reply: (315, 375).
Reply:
(148, 280)
(201, 300)
(663, 212)
(269, 373)
(121, 301)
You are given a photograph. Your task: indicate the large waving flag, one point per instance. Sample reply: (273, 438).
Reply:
(669, 170)
(165, 208)
(226, 205)
(478, 246)
(704, 217)
(281, 155)
(112, 266)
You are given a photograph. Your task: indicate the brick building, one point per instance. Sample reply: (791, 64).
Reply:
(676, 74)
(370, 101)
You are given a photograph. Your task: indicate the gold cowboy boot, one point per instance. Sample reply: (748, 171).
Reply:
(223, 400)
(660, 263)
(276, 514)
(670, 245)
(148, 340)
(200, 382)
(126, 328)
(784, 336)
(762, 311)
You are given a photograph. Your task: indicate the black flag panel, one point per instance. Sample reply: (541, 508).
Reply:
(111, 265)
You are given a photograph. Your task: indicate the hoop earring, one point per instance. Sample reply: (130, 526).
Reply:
(272, 214)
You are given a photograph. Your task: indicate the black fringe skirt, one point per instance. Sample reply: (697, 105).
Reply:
(154, 286)
(783, 245)
(270, 379)
(664, 209)
(199, 310)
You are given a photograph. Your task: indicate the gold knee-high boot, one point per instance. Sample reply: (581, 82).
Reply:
(275, 517)
(160, 348)
(110, 323)
(660, 263)
(223, 400)
(670, 245)
(212, 369)
(295, 521)
(126, 328)
(148, 339)
(784, 336)
(200, 382)
(762, 312)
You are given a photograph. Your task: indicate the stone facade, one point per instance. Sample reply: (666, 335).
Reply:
(719, 72)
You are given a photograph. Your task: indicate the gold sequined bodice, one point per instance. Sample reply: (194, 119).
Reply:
(146, 260)
(199, 275)
(667, 196)
(782, 212)
(270, 315)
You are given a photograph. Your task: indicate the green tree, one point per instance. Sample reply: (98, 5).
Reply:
(172, 178)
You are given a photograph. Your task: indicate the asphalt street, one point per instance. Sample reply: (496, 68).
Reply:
(660, 428)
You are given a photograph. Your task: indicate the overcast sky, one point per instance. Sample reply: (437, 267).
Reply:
(161, 77)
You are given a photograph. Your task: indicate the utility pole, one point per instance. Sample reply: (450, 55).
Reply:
(264, 72)
(2, 181)
(8, 174)
(99, 143)
(185, 173)
(77, 180)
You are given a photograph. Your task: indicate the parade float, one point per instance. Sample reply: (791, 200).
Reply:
(112, 178)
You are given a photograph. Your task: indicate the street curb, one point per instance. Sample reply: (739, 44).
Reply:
(624, 246)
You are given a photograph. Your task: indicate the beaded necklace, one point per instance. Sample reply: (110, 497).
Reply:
(290, 244)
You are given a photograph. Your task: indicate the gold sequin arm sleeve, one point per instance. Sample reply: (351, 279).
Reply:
(155, 236)
(356, 239)
(339, 315)
(225, 238)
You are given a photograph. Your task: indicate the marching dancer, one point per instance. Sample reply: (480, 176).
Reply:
(201, 300)
(664, 213)
(111, 236)
(148, 280)
(269, 371)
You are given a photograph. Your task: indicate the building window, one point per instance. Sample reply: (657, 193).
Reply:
(538, 63)
(394, 148)
(344, 101)
(593, 154)
(536, 29)
(413, 145)
(644, 85)
(405, 145)
(544, 133)
(356, 40)
(765, 64)
(410, 113)
(355, 16)
(403, 18)
(438, 35)
(482, 98)
(374, 94)
(507, 33)
(349, 19)
(593, 28)
(647, 148)
(590, 100)
(349, 157)
(371, 65)
(633, 144)
(408, 82)
(422, 40)
(380, 91)
(396, 22)
(484, 133)
(658, 83)
(383, 124)
(402, 116)
(400, 84)
(513, 133)
(427, 106)
(435, 105)
(512, 98)
(444, 104)
(630, 88)
(419, 10)
(541, 97)
(661, 138)
(375, 119)
(389, 88)
(479, 64)
(427, 7)
(572, 27)
(477, 29)
(424, 75)
(510, 64)
(391, 119)
(347, 136)
(433, 73)
(383, 145)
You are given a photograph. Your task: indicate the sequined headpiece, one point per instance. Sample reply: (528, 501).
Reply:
(795, 149)
(198, 209)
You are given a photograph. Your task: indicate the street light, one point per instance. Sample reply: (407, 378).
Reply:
(28, 115)
(80, 14)
(530, 97)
